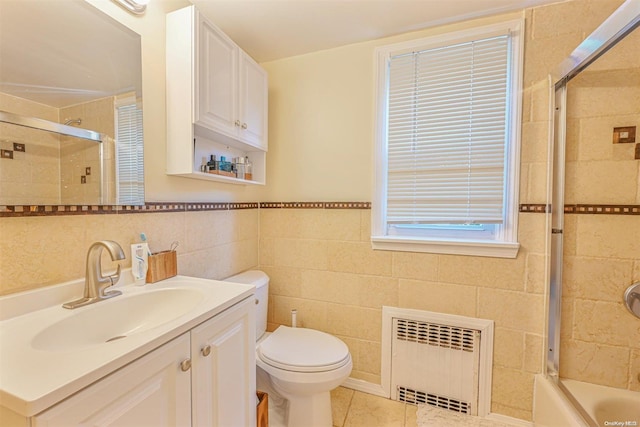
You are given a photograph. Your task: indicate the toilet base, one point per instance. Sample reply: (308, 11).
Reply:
(312, 411)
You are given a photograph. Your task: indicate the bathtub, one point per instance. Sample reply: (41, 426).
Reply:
(598, 405)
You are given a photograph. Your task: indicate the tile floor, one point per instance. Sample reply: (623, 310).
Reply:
(357, 409)
(354, 408)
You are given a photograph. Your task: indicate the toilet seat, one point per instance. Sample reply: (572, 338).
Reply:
(303, 350)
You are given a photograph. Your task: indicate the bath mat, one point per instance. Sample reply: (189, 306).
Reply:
(429, 416)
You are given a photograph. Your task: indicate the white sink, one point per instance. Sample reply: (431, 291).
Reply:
(114, 319)
(47, 352)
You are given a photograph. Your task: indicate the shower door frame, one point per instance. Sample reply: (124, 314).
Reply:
(623, 21)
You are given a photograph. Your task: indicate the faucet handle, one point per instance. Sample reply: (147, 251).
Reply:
(113, 279)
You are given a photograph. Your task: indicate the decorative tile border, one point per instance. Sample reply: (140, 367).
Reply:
(150, 207)
(161, 207)
(347, 205)
(603, 209)
(535, 208)
(57, 210)
(585, 209)
(194, 207)
(315, 205)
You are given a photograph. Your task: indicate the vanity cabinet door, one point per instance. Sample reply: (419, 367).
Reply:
(217, 79)
(223, 377)
(154, 390)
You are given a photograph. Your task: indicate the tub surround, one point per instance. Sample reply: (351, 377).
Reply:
(599, 338)
(557, 404)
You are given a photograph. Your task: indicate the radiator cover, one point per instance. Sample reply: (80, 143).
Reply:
(438, 359)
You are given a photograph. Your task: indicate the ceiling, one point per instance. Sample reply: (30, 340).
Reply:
(65, 52)
(274, 29)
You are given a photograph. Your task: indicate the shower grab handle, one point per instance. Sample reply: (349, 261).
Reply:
(632, 299)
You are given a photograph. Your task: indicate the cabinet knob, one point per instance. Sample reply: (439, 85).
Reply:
(206, 350)
(237, 123)
(185, 365)
(244, 126)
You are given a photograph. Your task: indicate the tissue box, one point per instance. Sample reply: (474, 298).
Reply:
(162, 265)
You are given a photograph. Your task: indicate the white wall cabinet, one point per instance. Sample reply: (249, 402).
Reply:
(216, 98)
(205, 377)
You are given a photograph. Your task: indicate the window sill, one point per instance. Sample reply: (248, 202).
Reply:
(450, 247)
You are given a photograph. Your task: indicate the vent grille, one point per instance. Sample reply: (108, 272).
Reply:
(415, 396)
(437, 335)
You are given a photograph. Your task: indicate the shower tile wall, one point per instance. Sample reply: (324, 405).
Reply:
(49, 171)
(600, 341)
(78, 154)
(35, 174)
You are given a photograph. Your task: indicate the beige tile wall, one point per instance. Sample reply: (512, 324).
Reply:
(41, 251)
(321, 263)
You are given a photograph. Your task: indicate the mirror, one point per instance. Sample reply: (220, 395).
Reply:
(66, 67)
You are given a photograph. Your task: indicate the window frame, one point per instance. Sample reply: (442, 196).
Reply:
(504, 244)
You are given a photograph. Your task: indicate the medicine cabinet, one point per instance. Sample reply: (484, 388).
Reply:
(216, 100)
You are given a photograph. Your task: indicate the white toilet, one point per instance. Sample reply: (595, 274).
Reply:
(297, 367)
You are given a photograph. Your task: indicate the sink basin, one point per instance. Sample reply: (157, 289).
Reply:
(117, 318)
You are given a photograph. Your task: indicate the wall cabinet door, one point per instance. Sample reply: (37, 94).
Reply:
(253, 92)
(231, 88)
(216, 80)
(223, 377)
(151, 391)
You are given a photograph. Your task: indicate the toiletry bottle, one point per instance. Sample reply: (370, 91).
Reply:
(139, 262)
(224, 164)
(211, 164)
(240, 167)
(248, 169)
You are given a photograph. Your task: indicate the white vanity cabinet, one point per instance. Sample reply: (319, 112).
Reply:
(224, 369)
(216, 98)
(204, 377)
(154, 391)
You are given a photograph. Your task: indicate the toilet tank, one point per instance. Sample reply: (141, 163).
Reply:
(261, 281)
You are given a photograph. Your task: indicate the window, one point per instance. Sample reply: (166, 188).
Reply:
(447, 149)
(129, 152)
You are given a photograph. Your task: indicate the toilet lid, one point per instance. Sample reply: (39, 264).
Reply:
(303, 350)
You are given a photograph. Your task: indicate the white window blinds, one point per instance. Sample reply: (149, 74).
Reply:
(447, 134)
(129, 154)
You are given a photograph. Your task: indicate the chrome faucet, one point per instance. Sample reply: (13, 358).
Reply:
(95, 284)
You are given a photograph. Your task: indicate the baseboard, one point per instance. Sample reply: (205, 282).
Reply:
(365, 387)
(505, 419)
